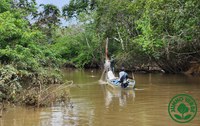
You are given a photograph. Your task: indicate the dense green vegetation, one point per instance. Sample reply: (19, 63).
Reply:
(164, 32)
(141, 33)
(25, 50)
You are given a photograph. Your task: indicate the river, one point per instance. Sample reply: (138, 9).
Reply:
(95, 104)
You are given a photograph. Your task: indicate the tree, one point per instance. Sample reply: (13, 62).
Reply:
(48, 19)
(26, 7)
(170, 33)
(4, 5)
(163, 31)
(21, 45)
(76, 7)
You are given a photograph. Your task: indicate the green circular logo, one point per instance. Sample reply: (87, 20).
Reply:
(182, 108)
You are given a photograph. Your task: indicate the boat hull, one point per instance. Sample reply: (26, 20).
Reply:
(116, 84)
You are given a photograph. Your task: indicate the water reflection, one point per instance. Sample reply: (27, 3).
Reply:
(121, 95)
(97, 104)
(19, 116)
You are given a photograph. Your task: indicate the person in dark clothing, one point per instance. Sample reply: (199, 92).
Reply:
(123, 76)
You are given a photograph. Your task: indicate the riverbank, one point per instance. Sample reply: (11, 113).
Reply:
(36, 89)
(194, 69)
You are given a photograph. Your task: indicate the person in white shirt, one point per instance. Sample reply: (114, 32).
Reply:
(111, 76)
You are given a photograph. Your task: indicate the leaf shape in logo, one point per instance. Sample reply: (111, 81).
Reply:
(182, 108)
(177, 116)
(187, 116)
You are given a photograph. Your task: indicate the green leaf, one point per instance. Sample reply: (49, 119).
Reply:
(177, 116)
(182, 108)
(187, 116)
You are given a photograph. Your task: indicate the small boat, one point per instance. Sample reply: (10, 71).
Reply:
(114, 81)
(110, 77)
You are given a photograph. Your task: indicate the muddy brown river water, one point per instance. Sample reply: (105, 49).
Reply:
(95, 104)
